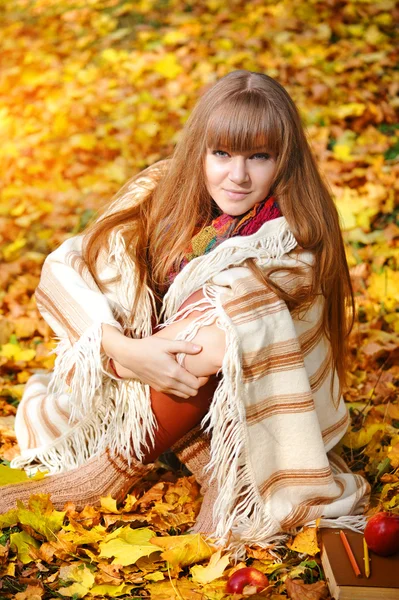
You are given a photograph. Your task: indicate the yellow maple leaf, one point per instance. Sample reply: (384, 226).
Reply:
(357, 439)
(18, 210)
(344, 145)
(86, 141)
(108, 504)
(174, 37)
(305, 541)
(352, 109)
(79, 535)
(348, 205)
(25, 355)
(181, 589)
(82, 578)
(129, 503)
(23, 376)
(213, 570)
(127, 545)
(183, 550)
(8, 475)
(41, 515)
(23, 543)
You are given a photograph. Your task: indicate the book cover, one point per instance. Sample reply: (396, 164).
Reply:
(383, 582)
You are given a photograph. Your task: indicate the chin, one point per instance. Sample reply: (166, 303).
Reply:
(236, 211)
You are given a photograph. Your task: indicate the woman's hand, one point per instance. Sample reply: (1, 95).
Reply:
(152, 360)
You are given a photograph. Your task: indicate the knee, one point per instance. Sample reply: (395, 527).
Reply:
(210, 359)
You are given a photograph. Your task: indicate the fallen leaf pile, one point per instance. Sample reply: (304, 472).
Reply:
(129, 551)
(91, 92)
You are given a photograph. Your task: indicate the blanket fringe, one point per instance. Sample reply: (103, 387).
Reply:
(226, 420)
(102, 411)
(82, 363)
(132, 420)
(238, 547)
(356, 523)
(246, 520)
(202, 305)
(66, 452)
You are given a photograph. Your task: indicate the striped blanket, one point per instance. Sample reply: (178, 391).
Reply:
(274, 420)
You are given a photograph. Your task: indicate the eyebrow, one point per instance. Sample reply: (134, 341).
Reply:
(255, 149)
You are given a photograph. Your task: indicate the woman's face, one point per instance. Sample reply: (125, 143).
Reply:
(237, 181)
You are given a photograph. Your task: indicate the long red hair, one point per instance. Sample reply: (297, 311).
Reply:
(241, 111)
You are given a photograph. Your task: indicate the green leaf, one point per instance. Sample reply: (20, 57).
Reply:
(312, 564)
(392, 152)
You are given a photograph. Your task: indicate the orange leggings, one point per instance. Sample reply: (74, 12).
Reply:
(176, 416)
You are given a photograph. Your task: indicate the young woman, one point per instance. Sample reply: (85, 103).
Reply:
(234, 243)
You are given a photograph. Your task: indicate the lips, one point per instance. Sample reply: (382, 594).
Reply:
(234, 195)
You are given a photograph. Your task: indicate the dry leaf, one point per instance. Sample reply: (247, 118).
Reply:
(305, 541)
(297, 589)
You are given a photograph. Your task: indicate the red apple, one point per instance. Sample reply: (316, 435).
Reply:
(382, 533)
(246, 576)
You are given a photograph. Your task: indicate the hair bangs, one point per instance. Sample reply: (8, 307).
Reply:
(245, 123)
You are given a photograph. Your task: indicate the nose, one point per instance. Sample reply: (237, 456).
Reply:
(238, 170)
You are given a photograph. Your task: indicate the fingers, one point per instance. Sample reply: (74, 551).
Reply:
(175, 380)
(166, 374)
(185, 347)
(186, 382)
(193, 392)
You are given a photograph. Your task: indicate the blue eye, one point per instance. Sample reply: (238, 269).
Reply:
(263, 155)
(257, 155)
